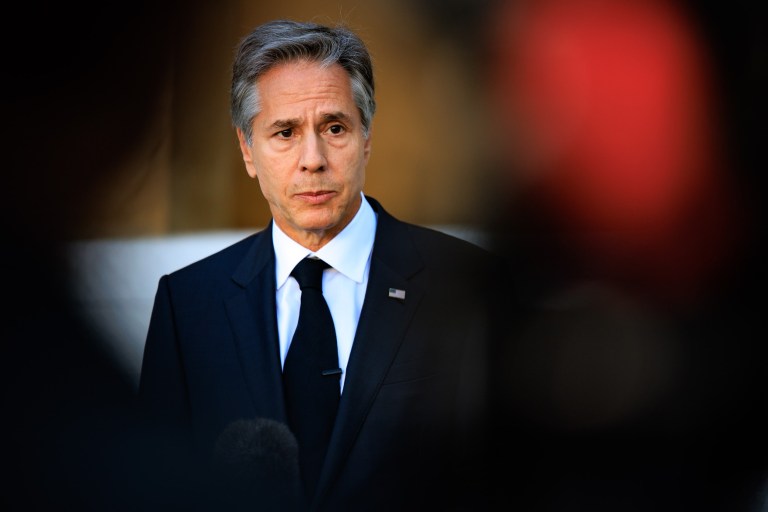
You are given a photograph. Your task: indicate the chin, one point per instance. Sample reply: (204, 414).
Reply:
(319, 222)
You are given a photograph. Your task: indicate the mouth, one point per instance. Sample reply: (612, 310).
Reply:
(315, 196)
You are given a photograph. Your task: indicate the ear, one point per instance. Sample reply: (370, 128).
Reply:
(367, 145)
(245, 149)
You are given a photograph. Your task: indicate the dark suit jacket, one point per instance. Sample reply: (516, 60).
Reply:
(414, 385)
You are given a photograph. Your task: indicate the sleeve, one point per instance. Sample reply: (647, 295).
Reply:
(163, 393)
(169, 466)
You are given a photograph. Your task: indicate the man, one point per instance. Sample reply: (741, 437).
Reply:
(408, 304)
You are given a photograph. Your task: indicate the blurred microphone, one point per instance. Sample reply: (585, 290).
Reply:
(256, 463)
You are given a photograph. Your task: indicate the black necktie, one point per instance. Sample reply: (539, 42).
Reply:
(311, 373)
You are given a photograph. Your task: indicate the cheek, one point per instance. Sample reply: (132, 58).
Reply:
(270, 171)
(264, 186)
(361, 169)
(354, 163)
(360, 175)
(270, 187)
(273, 159)
(276, 183)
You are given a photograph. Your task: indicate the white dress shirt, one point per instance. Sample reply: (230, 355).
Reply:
(344, 285)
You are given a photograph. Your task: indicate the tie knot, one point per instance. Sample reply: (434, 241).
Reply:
(309, 273)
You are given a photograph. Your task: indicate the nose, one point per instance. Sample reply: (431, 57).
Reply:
(312, 156)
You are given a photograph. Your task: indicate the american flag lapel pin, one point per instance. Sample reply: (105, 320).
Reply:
(397, 294)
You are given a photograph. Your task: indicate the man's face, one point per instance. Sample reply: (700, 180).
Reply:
(308, 150)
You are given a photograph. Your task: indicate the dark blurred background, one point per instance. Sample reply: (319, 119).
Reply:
(630, 372)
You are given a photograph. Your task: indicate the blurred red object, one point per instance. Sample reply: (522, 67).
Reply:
(613, 112)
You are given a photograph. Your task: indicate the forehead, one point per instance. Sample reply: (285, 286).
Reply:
(302, 84)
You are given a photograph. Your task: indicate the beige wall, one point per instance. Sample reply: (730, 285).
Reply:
(429, 162)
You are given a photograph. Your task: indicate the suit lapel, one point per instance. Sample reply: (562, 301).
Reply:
(252, 316)
(380, 331)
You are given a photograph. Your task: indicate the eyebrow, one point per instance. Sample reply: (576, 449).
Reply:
(284, 124)
(335, 116)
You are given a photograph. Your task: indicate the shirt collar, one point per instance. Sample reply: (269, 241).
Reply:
(347, 252)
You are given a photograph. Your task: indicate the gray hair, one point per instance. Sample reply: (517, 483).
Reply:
(281, 41)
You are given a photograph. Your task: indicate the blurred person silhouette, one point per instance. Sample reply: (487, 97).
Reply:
(81, 88)
(379, 379)
(634, 378)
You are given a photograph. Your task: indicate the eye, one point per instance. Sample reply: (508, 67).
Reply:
(336, 129)
(285, 134)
